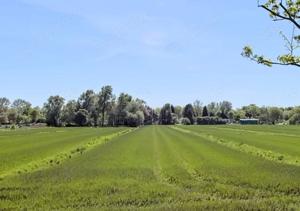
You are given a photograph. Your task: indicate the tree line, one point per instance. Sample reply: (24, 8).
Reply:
(103, 108)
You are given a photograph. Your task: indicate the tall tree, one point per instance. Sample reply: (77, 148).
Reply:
(105, 101)
(53, 109)
(167, 115)
(197, 108)
(275, 114)
(69, 112)
(205, 112)
(88, 101)
(225, 108)
(281, 10)
(120, 111)
(23, 109)
(188, 112)
(4, 104)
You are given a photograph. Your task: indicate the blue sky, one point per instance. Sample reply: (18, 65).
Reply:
(160, 50)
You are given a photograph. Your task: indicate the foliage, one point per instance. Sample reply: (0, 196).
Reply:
(81, 117)
(53, 109)
(210, 121)
(283, 10)
(188, 112)
(205, 112)
(105, 101)
(167, 115)
(185, 121)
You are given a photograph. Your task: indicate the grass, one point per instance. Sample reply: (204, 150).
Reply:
(154, 167)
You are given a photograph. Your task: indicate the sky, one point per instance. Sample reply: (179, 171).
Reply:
(162, 51)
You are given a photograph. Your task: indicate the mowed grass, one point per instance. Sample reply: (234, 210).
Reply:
(162, 168)
(30, 146)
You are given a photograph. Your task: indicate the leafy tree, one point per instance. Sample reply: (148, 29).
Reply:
(134, 113)
(81, 117)
(23, 109)
(197, 108)
(120, 111)
(251, 111)
(205, 112)
(135, 119)
(213, 109)
(12, 116)
(178, 111)
(264, 116)
(4, 104)
(281, 10)
(149, 115)
(275, 114)
(295, 116)
(3, 118)
(188, 112)
(105, 101)
(239, 114)
(35, 114)
(53, 109)
(167, 115)
(69, 112)
(225, 108)
(88, 101)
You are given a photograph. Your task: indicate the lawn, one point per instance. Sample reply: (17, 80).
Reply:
(153, 167)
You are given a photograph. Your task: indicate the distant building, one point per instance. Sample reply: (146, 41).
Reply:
(249, 121)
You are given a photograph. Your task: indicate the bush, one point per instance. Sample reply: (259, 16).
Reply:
(210, 121)
(295, 119)
(185, 121)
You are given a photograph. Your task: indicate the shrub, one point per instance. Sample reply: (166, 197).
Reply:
(210, 121)
(185, 121)
(295, 119)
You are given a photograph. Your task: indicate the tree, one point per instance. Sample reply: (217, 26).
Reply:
(4, 104)
(197, 108)
(120, 111)
(105, 101)
(23, 108)
(34, 114)
(3, 118)
(69, 112)
(275, 114)
(280, 10)
(12, 116)
(88, 101)
(251, 111)
(81, 117)
(167, 115)
(188, 112)
(178, 111)
(205, 112)
(135, 113)
(225, 108)
(53, 109)
(213, 108)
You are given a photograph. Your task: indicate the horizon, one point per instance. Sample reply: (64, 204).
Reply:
(160, 51)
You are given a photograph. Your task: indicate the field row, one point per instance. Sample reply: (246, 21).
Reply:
(159, 167)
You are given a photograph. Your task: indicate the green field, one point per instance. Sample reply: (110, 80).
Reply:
(153, 167)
